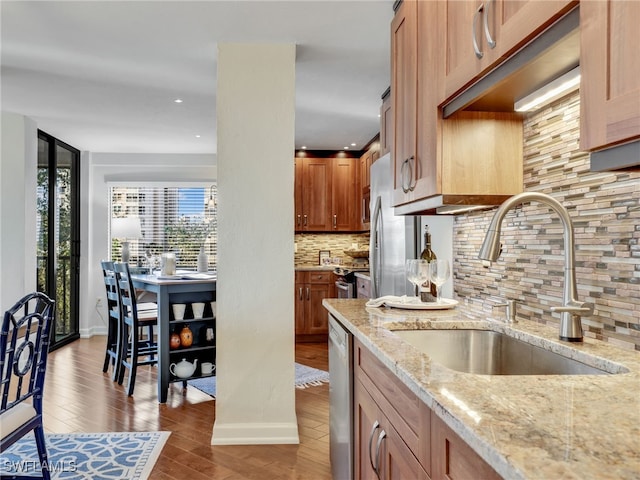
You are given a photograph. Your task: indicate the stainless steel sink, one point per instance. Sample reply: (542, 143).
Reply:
(486, 352)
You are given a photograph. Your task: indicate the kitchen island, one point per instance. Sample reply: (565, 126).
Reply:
(522, 426)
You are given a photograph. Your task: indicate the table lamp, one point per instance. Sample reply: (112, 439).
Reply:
(126, 228)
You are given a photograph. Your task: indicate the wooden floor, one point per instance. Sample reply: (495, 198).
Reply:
(78, 397)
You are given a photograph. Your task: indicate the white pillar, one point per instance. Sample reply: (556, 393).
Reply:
(255, 400)
(18, 169)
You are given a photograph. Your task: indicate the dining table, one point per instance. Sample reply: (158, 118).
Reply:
(186, 288)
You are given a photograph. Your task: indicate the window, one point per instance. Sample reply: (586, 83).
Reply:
(172, 219)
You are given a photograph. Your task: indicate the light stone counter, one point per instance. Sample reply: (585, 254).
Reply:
(315, 268)
(533, 427)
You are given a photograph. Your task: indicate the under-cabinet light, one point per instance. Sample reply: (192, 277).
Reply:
(551, 91)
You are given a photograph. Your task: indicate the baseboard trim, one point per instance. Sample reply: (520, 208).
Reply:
(90, 332)
(255, 434)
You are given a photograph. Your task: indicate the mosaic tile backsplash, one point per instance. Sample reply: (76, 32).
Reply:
(605, 210)
(310, 244)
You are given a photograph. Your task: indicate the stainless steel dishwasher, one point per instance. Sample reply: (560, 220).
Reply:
(340, 400)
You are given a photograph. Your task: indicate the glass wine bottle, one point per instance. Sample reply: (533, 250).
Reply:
(428, 291)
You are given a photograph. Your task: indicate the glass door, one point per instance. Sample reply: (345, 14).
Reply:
(58, 243)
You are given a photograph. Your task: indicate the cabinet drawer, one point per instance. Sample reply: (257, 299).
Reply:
(319, 277)
(453, 459)
(405, 411)
(364, 287)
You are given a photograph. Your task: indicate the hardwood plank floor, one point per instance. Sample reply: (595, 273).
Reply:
(78, 397)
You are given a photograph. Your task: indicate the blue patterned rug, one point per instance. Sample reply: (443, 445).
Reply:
(90, 456)
(305, 377)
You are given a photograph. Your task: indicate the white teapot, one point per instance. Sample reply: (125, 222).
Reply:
(183, 369)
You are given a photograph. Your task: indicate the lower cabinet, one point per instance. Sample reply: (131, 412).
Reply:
(311, 288)
(381, 453)
(398, 437)
(363, 287)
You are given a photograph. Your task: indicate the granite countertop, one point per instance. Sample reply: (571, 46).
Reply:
(313, 268)
(363, 275)
(528, 426)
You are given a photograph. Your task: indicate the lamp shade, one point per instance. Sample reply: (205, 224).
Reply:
(128, 227)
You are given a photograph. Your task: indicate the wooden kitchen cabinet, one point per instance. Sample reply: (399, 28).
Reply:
(481, 34)
(379, 446)
(470, 156)
(366, 160)
(313, 184)
(610, 69)
(452, 458)
(363, 287)
(417, 444)
(386, 123)
(404, 45)
(380, 397)
(311, 324)
(326, 197)
(344, 206)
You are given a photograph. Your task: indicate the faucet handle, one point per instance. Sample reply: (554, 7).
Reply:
(576, 308)
(510, 311)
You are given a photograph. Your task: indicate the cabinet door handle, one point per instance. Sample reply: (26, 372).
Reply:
(300, 293)
(305, 221)
(381, 437)
(335, 221)
(363, 212)
(402, 175)
(476, 48)
(490, 41)
(299, 221)
(376, 425)
(307, 293)
(412, 177)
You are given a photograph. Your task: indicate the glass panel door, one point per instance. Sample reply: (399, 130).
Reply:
(58, 233)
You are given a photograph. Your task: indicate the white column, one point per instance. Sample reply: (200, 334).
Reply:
(18, 165)
(255, 401)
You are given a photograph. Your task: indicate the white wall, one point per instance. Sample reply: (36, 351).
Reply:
(18, 167)
(255, 401)
(101, 170)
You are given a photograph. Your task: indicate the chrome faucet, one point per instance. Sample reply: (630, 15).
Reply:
(571, 309)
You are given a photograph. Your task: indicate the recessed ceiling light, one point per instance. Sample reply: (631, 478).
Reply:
(353, 144)
(197, 136)
(379, 115)
(303, 147)
(178, 100)
(346, 148)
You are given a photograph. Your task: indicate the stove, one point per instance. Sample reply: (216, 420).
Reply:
(346, 279)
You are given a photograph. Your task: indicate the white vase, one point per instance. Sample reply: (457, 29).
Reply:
(203, 261)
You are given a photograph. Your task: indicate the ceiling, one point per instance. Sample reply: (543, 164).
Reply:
(102, 76)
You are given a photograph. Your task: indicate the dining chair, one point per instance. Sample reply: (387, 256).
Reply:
(131, 345)
(24, 345)
(113, 312)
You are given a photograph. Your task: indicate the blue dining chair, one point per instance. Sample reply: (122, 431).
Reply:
(113, 320)
(131, 347)
(24, 345)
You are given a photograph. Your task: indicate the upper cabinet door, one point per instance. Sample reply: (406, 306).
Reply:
(481, 34)
(316, 194)
(610, 68)
(343, 195)
(404, 45)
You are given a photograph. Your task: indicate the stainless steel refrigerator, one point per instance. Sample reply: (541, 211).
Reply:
(396, 238)
(393, 239)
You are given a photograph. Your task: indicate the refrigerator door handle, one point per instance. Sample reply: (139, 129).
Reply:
(376, 258)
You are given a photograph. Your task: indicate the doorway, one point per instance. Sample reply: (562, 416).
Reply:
(58, 230)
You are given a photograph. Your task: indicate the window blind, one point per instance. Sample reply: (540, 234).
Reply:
(176, 219)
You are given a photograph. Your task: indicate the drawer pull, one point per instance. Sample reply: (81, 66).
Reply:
(376, 425)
